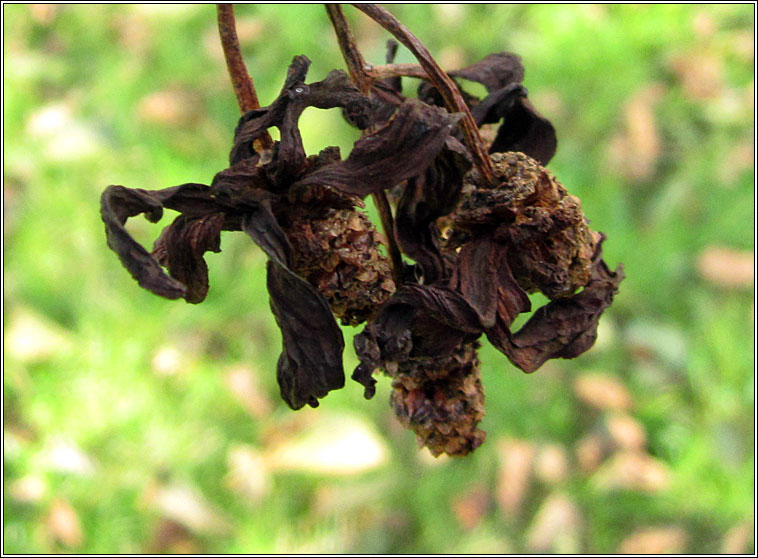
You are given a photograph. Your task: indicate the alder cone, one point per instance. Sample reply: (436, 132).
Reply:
(337, 252)
(532, 212)
(441, 400)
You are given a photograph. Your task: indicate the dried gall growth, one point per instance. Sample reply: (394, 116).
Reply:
(552, 245)
(441, 400)
(337, 251)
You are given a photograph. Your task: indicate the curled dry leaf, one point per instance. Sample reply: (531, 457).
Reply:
(523, 129)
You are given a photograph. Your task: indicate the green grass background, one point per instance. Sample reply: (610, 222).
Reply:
(81, 337)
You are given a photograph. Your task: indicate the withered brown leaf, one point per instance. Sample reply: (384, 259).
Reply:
(564, 328)
(523, 128)
(403, 148)
(118, 203)
(180, 249)
(311, 361)
(427, 197)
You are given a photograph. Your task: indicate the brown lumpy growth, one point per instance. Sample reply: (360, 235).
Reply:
(441, 400)
(337, 252)
(532, 212)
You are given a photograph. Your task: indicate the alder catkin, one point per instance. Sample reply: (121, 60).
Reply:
(552, 244)
(441, 400)
(337, 252)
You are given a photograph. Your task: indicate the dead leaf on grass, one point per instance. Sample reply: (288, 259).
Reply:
(632, 470)
(514, 476)
(64, 524)
(635, 150)
(603, 391)
(471, 507)
(556, 527)
(726, 267)
(655, 540)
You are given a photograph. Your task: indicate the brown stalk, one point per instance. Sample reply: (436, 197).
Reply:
(244, 90)
(444, 84)
(359, 73)
(385, 71)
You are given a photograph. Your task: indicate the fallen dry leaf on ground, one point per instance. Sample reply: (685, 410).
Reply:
(632, 470)
(470, 507)
(187, 506)
(31, 337)
(556, 527)
(331, 444)
(625, 431)
(726, 267)
(514, 476)
(603, 391)
(552, 464)
(171, 537)
(169, 107)
(700, 73)
(590, 452)
(245, 387)
(247, 476)
(635, 150)
(737, 539)
(655, 540)
(30, 488)
(64, 524)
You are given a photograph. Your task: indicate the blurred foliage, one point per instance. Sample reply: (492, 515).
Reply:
(136, 424)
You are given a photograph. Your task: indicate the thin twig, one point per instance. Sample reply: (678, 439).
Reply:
(356, 65)
(385, 71)
(444, 84)
(244, 89)
(360, 74)
(382, 205)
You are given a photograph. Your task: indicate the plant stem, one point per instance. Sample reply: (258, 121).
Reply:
(356, 65)
(244, 90)
(444, 84)
(385, 71)
(359, 73)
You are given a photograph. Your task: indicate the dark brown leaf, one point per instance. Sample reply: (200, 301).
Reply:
(525, 130)
(511, 299)
(494, 71)
(426, 198)
(261, 225)
(311, 361)
(403, 148)
(117, 204)
(478, 278)
(289, 158)
(564, 328)
(194, 200)
(417, 321)
(181, 246)
(310, 365)
(232, 185)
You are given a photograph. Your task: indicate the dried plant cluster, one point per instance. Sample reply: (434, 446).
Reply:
(481, 234)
